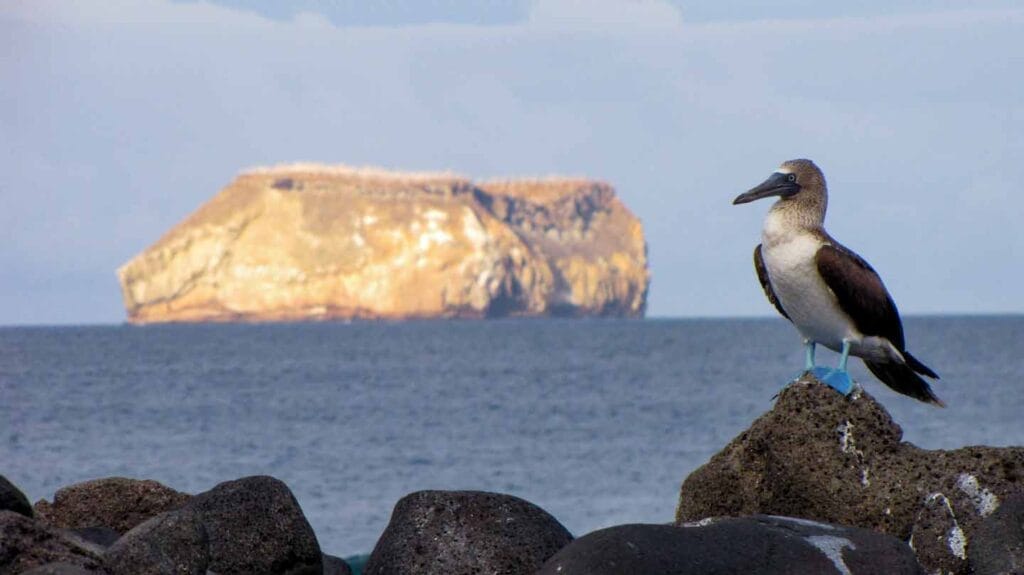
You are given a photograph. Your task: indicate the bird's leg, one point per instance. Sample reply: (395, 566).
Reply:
(838, 379)
(809, 354)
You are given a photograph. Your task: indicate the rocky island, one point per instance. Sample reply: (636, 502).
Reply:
(311, 242)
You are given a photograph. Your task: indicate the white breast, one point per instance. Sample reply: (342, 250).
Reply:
(810, 304)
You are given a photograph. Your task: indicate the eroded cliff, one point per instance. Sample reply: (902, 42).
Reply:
(320, 242)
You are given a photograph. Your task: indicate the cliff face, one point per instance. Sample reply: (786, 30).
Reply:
(315, 242)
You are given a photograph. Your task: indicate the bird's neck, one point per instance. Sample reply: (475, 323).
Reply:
(792, 217)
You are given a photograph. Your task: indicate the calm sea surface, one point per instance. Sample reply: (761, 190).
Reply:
(597, 422)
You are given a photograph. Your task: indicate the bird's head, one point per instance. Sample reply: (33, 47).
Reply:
(794, 179)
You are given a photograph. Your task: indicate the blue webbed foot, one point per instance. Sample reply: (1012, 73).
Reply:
(837, 379)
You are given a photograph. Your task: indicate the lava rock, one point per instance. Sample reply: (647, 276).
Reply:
(175, 542)
(59, 569)
(250, 525)
(752, 545)
(115, 502)
(465, 533)
(998, 544)
(836, 459)
(12, 499)
(26, 544)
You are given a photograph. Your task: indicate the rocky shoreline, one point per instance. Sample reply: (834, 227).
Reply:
(819, 484)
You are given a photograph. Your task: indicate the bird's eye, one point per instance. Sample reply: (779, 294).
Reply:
(792, 177)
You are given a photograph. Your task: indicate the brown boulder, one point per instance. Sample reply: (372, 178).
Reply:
(118, 503)
(321, 242)
(822, 456)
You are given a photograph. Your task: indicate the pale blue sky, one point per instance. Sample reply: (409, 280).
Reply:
(119, 117)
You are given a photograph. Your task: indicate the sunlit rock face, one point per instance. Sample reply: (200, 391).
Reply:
(307, 242)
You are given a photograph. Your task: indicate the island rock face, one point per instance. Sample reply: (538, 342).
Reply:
(316, 242)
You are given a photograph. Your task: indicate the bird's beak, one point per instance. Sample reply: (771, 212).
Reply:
(777, 184)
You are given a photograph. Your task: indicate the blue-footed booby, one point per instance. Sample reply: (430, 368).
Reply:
(832, 296)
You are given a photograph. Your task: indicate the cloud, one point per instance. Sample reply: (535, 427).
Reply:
(603, 15)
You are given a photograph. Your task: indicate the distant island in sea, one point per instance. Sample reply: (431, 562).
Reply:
(313, 242)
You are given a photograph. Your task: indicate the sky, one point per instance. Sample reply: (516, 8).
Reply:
(120, 117)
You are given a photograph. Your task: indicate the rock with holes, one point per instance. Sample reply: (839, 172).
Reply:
(998, 544)
(822, 456)
(116, 503)
(762, 544)
(465, 533)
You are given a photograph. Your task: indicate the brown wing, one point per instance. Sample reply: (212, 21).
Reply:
(861, 293)
(766, 284)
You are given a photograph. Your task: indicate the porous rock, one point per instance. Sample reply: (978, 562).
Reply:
(752, 545)
(819, 455)
(172, 543)
(998, 544)
(12, 499)
(26, 543)
(251, 525)
(309, 242)
(118, 503)
(465, 533)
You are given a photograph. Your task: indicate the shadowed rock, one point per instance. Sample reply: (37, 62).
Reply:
(841, 460)
(12, 499)
(60, 569)
(118, 503)
(465, 533)
(26, 543)
(335, 566)
(998, 544)
(750, 545)
(251, 525)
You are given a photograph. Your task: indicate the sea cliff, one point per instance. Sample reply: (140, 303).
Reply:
(310, 242)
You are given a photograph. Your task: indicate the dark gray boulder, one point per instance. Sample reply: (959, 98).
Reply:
(25, 544)
(175, 543)
(12, 499)
(118, 503)
(760, 545)
(841, 460)
(248, 526)
(465, 533)
(998, 545)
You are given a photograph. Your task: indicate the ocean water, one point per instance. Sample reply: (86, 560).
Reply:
(596, 421)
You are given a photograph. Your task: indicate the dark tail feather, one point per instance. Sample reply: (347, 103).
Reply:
(918, 366)
(901, 378)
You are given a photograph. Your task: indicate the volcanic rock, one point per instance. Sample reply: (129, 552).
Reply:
(756, 545)
(117, 503)
(250, 525)
(12, 499)
(822, 456)
(465, 533)
(317, 242)
(26, 543)
(59, 569)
